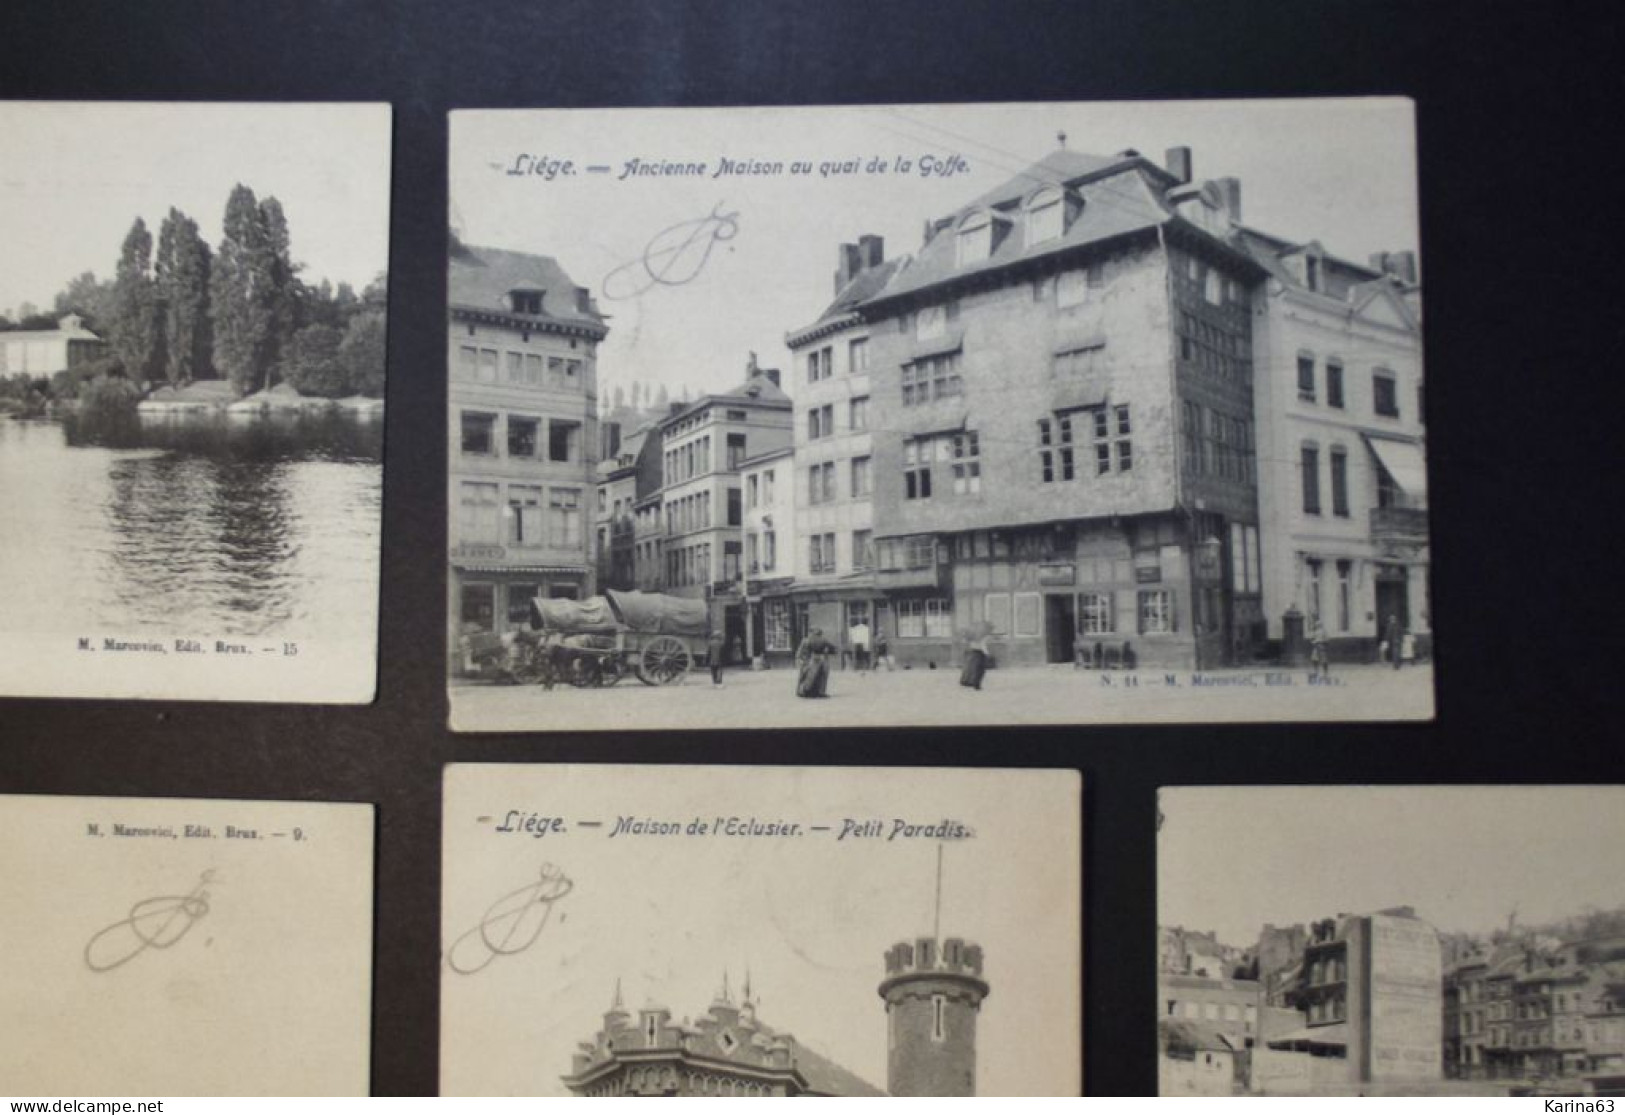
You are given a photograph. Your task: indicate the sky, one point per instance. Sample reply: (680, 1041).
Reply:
(1231, 859)
(74, 177)
(1340, 171)
(810, 919)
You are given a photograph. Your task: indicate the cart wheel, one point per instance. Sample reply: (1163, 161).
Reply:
(665, 660)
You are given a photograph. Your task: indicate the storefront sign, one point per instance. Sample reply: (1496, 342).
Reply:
(1057, 573)
(478, 551)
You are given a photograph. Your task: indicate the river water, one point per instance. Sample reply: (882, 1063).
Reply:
(257, 526)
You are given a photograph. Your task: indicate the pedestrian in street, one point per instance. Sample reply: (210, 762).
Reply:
(859, 635)
(812, 665)
(714, 644)
(883, 653)
(975, 658)
(1317, 648)
(1396, 639)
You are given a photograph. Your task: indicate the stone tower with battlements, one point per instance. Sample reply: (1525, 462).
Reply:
(933, 992)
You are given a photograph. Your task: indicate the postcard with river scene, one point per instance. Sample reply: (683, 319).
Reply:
(192, 353)
(761, 931)
(936, 415)
(168, 946)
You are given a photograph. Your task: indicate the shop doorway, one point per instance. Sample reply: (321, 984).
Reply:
(1393, 598)
(1060, 627)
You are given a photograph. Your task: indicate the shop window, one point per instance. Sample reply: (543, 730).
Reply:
(479, 606)
(1156, 610)
(519, 598)
(1097, 614)
(997, 608)
(1029, 621)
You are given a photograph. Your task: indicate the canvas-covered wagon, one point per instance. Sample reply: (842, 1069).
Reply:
(598, 641)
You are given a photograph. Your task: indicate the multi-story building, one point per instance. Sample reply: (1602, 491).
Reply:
(702, 447)
(1230, 1005)
(834, 526)
(522, 405)
(625, 477)
(1063, 377)
(44, 352)
(1371, 992)
(769, 482)
(933, 991)
(1342, 485)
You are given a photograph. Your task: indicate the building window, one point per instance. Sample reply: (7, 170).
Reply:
(767, 488)
(860, 477)
(1311, 272)
(770, 550)
(488, 365)
(524, 515)
(563, 441)
(1314, 565)
(1113, 445)
(820, 422)
(1213, 287)
(1310, 462)
(1055, 451)
(1156, 611)
(1306, 378)
(821, 483)
(939, 1018)
(819, 363)
(522, 436)
(1097, 613)
(479, 606)
(967, 464)
(858, 414)
(479, 433)
(735, 512)
(935, 377)
(565, 504)
(519, 598)
(468, 362)
(1046, 217)
(925, 619)
(478, 512)
(822, 553)
(857, 354)
(1190, 428)
(974, 241)
(917, 469)
(753, 491)
(1334, 384)
(1384, 394)
(863, 550)
(1340, 482)
(1078, 361)
(736, 451)
(1071, 289)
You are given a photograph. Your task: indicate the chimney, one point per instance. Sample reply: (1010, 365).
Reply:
(850, 262)
(872, 249)
(1379, 262)
(1178, 161)
(1404, 265)
(772, 375)
(1230, 190)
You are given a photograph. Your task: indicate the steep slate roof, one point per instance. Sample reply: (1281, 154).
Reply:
(481, 278)
(1341, 276)
(1117, 201)
(755, 391)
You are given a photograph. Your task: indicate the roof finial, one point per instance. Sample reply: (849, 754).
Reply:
(1060, 137)
(747, 985)
(725, 996)
(617, 1004)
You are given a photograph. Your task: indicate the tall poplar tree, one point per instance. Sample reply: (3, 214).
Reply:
(181, 271)
(137, 334)
(252, 291)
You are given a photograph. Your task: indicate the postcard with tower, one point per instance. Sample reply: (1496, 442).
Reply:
(760, 931)
(192, 354)
(936, 415)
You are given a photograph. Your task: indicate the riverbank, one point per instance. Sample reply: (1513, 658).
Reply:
(217, 396)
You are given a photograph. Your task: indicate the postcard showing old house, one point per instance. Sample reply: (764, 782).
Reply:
(760, 931)
(1392, 940)
(192, 336)
(1061, 413)
(184, 947)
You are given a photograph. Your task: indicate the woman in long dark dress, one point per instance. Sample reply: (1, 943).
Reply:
(812, 658)
(975, 661)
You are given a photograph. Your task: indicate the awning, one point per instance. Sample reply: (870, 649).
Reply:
(1334, 1036)
(1403, 462)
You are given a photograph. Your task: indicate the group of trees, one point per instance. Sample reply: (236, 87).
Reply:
(177, 312)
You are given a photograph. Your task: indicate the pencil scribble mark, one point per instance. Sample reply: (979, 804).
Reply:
(674, 256)
(511, 924)
(153, 923)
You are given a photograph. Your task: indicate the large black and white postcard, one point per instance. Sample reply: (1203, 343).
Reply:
(192, 324)
(185, 947)
(760, 931)
(936, 415)
(1391, 940)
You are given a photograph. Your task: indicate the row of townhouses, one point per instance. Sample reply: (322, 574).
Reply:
(1094, 413)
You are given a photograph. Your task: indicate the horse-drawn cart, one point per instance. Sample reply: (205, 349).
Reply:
(596, 642)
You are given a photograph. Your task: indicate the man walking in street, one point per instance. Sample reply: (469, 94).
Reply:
(713, 645)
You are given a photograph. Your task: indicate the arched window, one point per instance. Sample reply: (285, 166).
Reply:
(974, 240)
(1046, 215)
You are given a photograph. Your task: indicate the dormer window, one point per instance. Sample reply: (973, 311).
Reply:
(1311, 272)
(974, 242)
(526, 301)
(1046, 216)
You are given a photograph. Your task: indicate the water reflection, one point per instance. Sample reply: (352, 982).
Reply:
(262, 526)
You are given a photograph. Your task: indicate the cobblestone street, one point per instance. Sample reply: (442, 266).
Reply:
(1036, 695)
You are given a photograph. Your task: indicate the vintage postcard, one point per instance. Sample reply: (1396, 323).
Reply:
(165, 946)
(1393, 940)
(192, 352)
(760, 931)
(952, 415)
